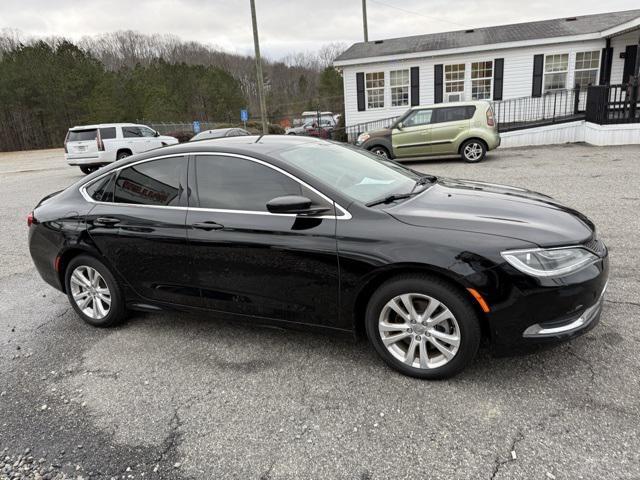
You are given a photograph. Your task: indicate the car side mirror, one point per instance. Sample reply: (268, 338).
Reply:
(294, 204)
(157, 133)
(399, 125)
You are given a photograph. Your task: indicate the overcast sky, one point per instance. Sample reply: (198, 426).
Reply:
(285, 25)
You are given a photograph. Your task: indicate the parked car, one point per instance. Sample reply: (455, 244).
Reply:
(311, 128)
(468, 129)
(312, 115)
(220, 133)
(297, 231)
(93, 146)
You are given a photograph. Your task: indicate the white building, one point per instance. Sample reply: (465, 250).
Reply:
(382, 78)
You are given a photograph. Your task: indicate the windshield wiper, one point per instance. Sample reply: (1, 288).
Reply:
(423, 180)
(390, 198)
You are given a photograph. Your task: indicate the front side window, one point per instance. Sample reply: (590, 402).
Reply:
(374, 86)
(156, 182)
(399, 81)
(555, 71)
(586, 69)
(356, 173)
(147, 132)
(131, 132)
(418, 117)
(230, 183)
(481, 77)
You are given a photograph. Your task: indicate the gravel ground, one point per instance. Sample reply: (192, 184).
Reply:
(172, 395)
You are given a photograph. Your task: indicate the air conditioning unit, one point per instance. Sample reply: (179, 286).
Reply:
(453, 97)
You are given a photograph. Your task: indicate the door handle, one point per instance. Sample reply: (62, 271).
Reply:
(207, 226)
(106, 221)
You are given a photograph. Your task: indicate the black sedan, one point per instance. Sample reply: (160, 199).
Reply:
(308, 233)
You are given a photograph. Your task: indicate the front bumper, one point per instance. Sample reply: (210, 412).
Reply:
(526, 311)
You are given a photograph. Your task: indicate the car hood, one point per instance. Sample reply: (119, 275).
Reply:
(496, 210)
(167, 138)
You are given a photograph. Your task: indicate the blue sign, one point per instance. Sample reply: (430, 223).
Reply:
(196, 127)
(244, 115)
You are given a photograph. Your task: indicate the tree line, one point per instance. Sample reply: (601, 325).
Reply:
(48, 85)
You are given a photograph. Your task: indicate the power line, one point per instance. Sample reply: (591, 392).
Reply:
(420, 14)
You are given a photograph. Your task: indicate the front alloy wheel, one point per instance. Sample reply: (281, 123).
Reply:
(419, 330)
(380, 151)
(423, 326)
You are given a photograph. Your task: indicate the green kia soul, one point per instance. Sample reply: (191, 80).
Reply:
(467, 129)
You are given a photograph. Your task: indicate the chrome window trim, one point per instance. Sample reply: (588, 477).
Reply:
(344, 214)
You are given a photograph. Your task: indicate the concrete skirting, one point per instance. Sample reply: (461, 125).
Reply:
(573, 132)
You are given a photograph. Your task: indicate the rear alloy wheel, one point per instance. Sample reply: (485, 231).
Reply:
(88, 169)
(93, 292)
(380, 151)
(473, 151)
(423, 327)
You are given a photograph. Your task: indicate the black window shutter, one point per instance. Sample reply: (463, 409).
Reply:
(437, 84)
(498, 78)
(415, 86)
(605, 65)
(360, 90)
(629, 62)
(538, 65)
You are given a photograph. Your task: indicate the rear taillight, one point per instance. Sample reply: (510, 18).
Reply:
(65, 142)
(100, 142)
(490, 118)
(30, 219)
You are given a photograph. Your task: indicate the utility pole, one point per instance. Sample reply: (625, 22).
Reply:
(364, 20)
(256, 44)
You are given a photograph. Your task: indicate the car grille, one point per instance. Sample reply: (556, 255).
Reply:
(596, 246)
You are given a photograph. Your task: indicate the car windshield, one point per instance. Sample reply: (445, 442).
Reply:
(356, 173)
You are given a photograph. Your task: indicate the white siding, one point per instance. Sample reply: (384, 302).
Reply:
(619, 45)
(518, 74)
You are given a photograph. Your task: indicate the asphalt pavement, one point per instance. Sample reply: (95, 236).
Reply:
(172, 395)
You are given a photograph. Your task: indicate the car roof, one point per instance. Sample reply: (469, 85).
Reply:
(105, 125)
(472, 103)
(247, 144)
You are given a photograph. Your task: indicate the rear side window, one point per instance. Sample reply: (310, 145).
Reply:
(130, 132)
(231, 183)
(82, 135)
(102, 190)
(454, 114)
(156, 182)
(108, 133)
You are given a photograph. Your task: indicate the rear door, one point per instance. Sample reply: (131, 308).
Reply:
(82, 142)
(252, 262)
(138, 224)
(448, 124)
(412, 139)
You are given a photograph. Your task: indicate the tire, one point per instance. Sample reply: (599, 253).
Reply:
(123, 154)
(380, 151)
(94, 292)
(421, 291)
(89, 169)
(473, 151)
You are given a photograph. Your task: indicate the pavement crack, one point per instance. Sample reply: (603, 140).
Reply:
(621, 302)
(498, 464)
(267, 474)
(585, 362)
(172, 441)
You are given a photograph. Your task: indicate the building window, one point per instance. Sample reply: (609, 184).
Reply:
(481, 77)
(555, 71)
(375, 89)
(454, 82)
(587, 66)
(399, 81)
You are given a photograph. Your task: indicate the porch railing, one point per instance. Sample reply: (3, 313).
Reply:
(609, 104)
(553, 107)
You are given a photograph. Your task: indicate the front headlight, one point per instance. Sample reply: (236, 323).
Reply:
(551, 262)
(363, 137)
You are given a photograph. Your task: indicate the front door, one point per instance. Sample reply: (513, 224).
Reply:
(448, 124)
(630, 55)
(139, 226)
(411, 138)
(252, 262)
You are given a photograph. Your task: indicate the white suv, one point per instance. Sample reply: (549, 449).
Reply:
(93, 146)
